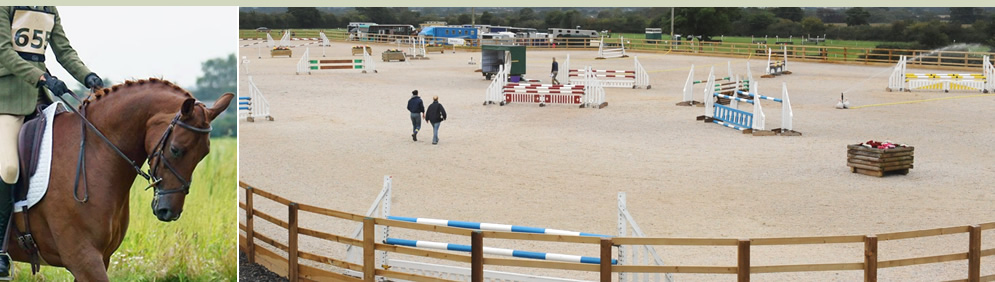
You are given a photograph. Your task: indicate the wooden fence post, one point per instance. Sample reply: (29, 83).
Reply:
(249, 232)
(477, 256)
(292, 269)
(743, 255)
(606, 260)
(974, 254)
(870, 258)
(369, 251)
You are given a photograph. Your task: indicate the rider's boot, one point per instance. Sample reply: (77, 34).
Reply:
(5, 209)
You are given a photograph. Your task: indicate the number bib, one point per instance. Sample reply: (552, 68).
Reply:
(31, 31)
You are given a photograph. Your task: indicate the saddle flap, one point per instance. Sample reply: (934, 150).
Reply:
(35, 154)
(28, 142)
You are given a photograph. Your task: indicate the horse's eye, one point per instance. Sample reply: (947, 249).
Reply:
(176, 151)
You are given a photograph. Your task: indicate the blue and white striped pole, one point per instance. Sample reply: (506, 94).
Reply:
(733, 98)
(760, 96)
(492, 226)
(496, 251)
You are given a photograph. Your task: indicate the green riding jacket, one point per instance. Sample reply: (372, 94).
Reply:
(20, 64)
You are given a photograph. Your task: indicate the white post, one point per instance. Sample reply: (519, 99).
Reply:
(759, 119)
(734, 103)
(729, 66)
(303, 66)
(382, 200)
(989, 72)
(650, 256)
(385, 212)
(622, 232)
(368, 63)
(566, 69)
(749, 75)
(622, 44)
(769, 70)
(786, 114)
(285, 40)
(324, 42)
(897, 79)
(493, 93)
(689, 85)
(245, 64)
(709, 90)
(642, 77)
(601, 47)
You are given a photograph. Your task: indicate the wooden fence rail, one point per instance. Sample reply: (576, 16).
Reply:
(257, 248)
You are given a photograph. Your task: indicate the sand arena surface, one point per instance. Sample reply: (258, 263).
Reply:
(337, 133)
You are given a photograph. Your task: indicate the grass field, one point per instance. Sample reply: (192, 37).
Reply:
(201, 246)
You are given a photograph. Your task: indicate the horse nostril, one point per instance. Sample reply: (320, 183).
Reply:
(162, 213)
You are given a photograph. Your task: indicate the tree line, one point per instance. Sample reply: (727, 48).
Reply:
(916, 28)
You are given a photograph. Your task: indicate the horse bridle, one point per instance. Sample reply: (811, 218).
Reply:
(157, 154)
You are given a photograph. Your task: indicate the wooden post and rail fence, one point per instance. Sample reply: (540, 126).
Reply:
(938, 59)
(259, 248)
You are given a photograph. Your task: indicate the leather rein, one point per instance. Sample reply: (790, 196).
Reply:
(155, 160)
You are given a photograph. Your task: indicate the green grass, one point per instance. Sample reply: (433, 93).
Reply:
(200, 246)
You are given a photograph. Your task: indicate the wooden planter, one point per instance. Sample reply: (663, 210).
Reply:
(432, 49)
(275, 52)
(392, 56)
(878, 162)
(359, 51)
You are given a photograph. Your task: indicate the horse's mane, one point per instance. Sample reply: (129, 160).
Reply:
(101, 93)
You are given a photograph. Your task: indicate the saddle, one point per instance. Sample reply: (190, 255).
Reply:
(28, 143)
(30, 146)
(29, 150)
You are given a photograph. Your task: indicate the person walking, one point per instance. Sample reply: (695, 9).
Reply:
(555, 71)
(25, 34)
(435, 115)
(417, 109)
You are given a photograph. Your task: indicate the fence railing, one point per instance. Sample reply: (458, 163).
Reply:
(941, 59)
(262, 249)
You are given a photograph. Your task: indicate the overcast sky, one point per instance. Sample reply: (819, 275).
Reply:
(122, 43)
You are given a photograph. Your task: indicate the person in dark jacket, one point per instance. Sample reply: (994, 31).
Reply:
(435, 115)
(555, 71)
(417, 109)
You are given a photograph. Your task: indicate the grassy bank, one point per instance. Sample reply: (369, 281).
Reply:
(201, 246)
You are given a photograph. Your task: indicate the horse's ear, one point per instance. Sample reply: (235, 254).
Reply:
(187, 107)
(220, 106)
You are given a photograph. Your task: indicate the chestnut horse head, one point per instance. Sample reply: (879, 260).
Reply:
(176, 137)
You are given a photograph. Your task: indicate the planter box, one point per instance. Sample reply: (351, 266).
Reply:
(359, 51)
(432, 49)
(879, 162)
(392, 56)
(274, 53)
